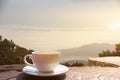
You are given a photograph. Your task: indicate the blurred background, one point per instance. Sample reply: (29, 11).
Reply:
(79, 29)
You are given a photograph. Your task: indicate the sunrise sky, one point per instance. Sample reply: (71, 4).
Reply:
(59, 24)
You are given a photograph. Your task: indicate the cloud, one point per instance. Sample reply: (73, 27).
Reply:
(33, 29)
(52, 15)
(24, 28)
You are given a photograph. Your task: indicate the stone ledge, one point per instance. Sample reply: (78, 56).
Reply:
(104, 61)
(17, 67)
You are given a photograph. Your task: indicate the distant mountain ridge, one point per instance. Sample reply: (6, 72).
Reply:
(85, 51)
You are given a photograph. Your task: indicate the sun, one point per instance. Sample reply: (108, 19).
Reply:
(114, 25)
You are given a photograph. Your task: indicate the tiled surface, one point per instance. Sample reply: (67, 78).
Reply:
(79, 73)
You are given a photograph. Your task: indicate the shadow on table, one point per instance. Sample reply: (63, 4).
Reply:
(24, 76)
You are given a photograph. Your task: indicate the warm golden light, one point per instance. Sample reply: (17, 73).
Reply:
(115, 25)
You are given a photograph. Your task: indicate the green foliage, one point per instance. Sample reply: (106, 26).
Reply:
(117, 48)
(10, 53)
(73, 63)
(111, 53)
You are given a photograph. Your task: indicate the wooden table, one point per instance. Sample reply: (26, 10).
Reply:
(78, 73)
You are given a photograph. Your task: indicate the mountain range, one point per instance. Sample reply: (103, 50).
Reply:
(85, 51)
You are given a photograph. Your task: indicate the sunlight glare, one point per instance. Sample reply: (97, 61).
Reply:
(115, 25)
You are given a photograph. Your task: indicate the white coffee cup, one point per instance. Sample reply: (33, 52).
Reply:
(44, 62)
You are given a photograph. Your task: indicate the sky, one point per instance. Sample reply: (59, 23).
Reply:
(60, 24)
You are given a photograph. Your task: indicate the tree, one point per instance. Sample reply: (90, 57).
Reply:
(10, 53)
(111, 53)
(105, 53)
(0, 38)
(117, 48)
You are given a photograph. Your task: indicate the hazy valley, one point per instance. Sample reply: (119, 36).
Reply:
(85, 51)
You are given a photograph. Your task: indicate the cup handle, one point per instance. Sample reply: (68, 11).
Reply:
(26, 62)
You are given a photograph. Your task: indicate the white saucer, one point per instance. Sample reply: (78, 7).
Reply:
(60, 69)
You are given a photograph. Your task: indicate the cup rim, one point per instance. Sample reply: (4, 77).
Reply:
(48, 52)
